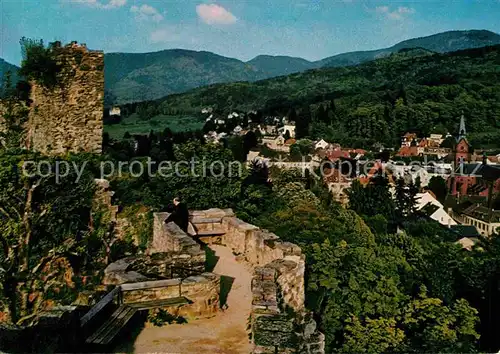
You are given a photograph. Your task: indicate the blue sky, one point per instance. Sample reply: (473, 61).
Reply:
(312, 29)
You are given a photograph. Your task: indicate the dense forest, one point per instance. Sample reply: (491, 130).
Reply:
(380, 276)
(375, 102)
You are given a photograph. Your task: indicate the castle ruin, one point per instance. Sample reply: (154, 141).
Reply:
(278, 319)
(68, 117)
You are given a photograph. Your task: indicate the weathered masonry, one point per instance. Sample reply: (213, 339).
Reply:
(280, 323)
(68, 116)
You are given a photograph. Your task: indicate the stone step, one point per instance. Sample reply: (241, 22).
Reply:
(206, 233)
(200, 220)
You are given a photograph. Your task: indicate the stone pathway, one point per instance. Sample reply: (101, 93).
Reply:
(224, 333)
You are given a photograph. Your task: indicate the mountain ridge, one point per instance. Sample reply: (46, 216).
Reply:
(134, 77)
(433, 42)
(4, 68)
(267, 66)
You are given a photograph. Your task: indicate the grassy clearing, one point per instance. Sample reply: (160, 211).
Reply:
(134, 125)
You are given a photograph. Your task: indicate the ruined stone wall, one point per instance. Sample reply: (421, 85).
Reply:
(280, 323)
(170, 238)
(170, 264)
(259, 248)
(134, 275)
(166, 265)
(69, 116)
(275, 326)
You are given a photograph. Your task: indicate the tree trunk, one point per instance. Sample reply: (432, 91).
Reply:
(25, 244)
(24, 250)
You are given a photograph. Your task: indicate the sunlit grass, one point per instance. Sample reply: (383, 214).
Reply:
(133, 125)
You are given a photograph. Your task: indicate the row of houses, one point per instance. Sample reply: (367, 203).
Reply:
(411, 139)
(466, 175)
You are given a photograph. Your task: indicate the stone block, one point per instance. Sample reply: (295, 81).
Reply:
(228, 212)
(282, 265)
(279, 339)
(267, 273)
(120, 265)
(215, 213)
(259, 349)
(124, 277)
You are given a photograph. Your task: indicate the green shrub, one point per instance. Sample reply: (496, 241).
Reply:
(39, 62)
(159, 318)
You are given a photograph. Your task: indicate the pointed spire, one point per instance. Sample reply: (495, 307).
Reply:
(461, 131)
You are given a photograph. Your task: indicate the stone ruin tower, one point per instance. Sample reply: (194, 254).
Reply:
(69, 116)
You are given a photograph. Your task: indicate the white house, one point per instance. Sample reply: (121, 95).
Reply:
(287, 128)
(114, 111)
(321, 145)
(436, 209)
(276, 143)
(422, 174)
(486, 222)
(435, 139)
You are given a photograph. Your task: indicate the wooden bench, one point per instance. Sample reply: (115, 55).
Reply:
(108, 331)
(105, 301)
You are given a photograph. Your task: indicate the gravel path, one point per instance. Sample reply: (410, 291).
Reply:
(224, 333)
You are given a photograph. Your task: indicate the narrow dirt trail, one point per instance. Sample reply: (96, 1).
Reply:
(224, 333)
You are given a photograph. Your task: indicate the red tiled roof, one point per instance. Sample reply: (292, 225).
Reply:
(371, 173)
(408, 151)
(333, 175)
(337, 154)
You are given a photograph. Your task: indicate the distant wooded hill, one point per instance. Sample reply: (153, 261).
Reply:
(138, 77)
(6, 67)
(146, 76)
(369, 103)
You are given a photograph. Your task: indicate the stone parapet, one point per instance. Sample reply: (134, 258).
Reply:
(280, 322)
(166, 265)
(170, 238)
(203, 291)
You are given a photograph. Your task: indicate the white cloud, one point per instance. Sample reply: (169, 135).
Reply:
(162, 35)
(213, 14)
(180, 36)
(398, 14)
(111, 4)
(146, 13)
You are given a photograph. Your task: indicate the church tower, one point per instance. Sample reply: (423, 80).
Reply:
(462, 146)
(461, 130)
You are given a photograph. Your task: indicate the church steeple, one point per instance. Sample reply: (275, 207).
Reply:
(462, 148)
(461, 131)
